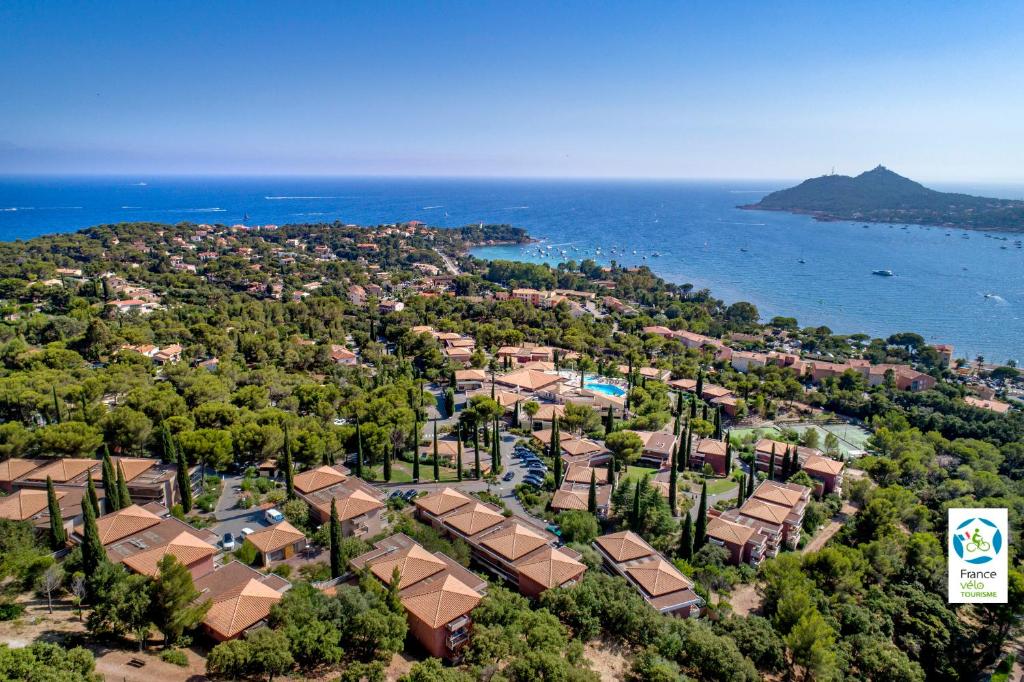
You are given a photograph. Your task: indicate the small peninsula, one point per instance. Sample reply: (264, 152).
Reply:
(882, 196)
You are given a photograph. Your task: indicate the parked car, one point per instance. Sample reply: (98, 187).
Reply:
(246, 532)
(273, 516)
(408, 495)
(508, 476)
(532, 481)
(228, 542)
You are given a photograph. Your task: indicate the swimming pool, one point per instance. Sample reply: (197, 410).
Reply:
(607, 389)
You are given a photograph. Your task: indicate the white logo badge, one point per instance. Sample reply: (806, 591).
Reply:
(978, 556)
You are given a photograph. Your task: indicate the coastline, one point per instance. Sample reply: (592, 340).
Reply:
(825, 217)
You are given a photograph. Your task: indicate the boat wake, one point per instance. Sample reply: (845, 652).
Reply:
(428, 208)
(196, 210)
(284, 198)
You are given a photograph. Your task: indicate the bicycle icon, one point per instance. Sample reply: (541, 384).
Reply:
(976, 542)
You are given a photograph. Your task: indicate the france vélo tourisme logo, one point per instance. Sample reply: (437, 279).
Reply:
(977, 556)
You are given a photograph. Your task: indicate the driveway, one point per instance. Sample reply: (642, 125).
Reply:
(231, 519)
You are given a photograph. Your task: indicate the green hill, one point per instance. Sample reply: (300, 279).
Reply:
(882, 196)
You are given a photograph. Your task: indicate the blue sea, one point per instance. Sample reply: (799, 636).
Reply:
(951, 286)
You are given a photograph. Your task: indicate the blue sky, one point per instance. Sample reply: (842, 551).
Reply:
(931, 89)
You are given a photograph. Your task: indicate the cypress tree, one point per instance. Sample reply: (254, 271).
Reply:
(476, 451)
(739, 491)
(689, 448)
(704, 411)
(675, 427)
(750, 482)
(592, 494)
(184, 484)
(609, 421)
(700, 531)
(58, 535)
(168, 444)
(110, 488)
(286, 465)
(611, 471)
(124, 498)
(387, 465)
(416, 449)
(693, 408)
(728, 455)
(93, 553)
(686, 539)
(91, 497)
(83, 402)
(458, 454)
(679, 404)
(56, 404)
(700, 383)
(771, 466)
(359, 449)
(794, 463)
(786, 463)
(673, 480)
(555, 451)
(335, 540)
(718, 422)
(634, 517)
(515, 416)
(437, 462)
(496, 449)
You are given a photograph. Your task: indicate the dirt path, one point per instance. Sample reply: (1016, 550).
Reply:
(745, 600)
(609, 661)
(826, 533)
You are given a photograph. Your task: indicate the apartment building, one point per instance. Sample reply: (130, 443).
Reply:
(360, 506)
(660, 583)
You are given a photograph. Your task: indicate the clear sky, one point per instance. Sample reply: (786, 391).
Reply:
(932, 89)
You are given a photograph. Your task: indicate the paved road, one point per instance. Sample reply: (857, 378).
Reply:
(449, 263)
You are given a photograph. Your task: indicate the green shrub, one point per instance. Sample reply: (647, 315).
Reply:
(10, 611)
(283, 570)
(174, 657)
(246, 553)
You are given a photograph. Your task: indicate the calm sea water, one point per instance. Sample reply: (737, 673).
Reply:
(942, 276)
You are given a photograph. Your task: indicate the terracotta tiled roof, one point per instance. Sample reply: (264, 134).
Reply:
(580, 446)
(356, 504)
(133, 466)
(24, 504)
(823, 465)
(470, 375)
(624, 546)
(777, 494)
(237, 610)
(16, 467)
(186, 548)
(439, 602)
(547, 411)
(730, 532)
(514, 541)
(658, 577)
(528, 379)
(274, 538)
(581, 474)
(125, 522)
(473, 518)
(443, 501)
(570, 499)
(414, 564)
(63, 470)
(317, 479)
(551, 568)
(772, 513)
(710, 446)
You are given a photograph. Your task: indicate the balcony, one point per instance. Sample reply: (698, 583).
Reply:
(457, 638)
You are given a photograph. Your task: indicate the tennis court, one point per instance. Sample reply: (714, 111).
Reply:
(852, 438)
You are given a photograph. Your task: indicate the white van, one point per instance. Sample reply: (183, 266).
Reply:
(273, 516)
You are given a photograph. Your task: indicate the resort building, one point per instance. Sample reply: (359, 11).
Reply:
(708, 451)
(360, 506)
(827, 472)
(437, 593)
(574, 491)
(658, 447)
(240, 599)
(279, 542)
(775, 511)
(511, 548)
(660, 583)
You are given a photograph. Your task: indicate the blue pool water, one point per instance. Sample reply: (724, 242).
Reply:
(607, 389)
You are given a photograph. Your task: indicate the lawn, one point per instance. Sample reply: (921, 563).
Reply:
(401, 472)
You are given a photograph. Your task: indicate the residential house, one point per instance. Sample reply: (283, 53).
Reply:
(279, 542)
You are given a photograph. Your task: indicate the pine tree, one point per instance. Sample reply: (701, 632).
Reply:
(124, 498)
(673, 480)
(555, 451)
(175, 606)
(286, 466)
(335, 541)
(110, 488)
(786, 463)
(58, 535)
(700, 531)
(458, 454)
(416, 449)
(93, 553)
(592, 494)
(686, 539)
(437, 462)
(611, 471)
(359, 449)
(184, 483)
(91, 497)
(476, 451)
(771, 466)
